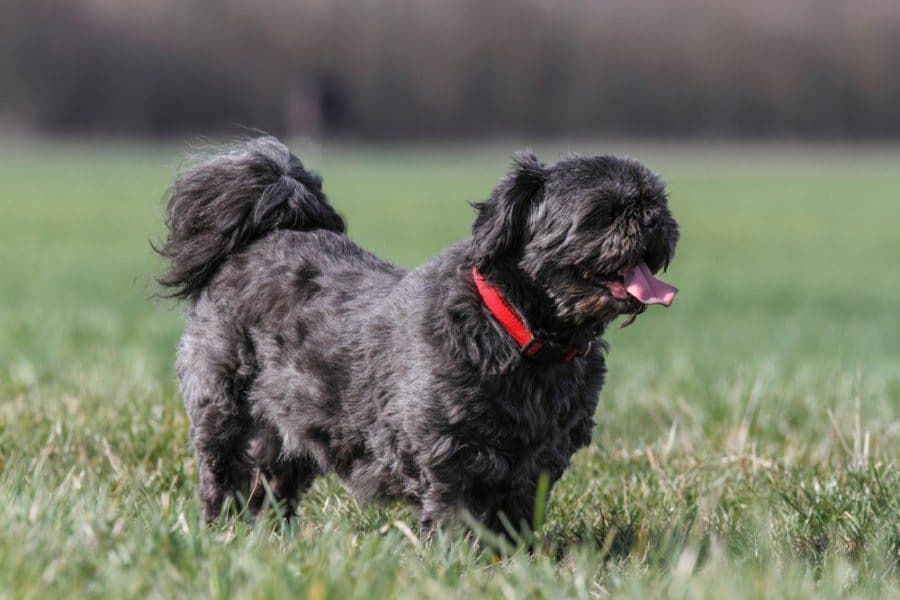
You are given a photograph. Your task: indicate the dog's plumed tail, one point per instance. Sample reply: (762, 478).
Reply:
(221, 205)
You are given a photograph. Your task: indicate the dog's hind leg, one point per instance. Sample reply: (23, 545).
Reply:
(287, 478)
(213, 378)
(220, 441)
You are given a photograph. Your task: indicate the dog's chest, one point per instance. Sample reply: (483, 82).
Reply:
(533, 410)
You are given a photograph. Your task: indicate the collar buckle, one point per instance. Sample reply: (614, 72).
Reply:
(532, 347)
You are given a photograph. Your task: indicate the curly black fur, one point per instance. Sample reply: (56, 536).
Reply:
(223, 204)
(305, 354)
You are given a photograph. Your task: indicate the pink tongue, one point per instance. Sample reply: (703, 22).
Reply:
(640, 283)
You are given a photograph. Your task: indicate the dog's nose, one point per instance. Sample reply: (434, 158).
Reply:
(648, 219)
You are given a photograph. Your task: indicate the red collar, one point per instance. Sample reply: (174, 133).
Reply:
(513, 324)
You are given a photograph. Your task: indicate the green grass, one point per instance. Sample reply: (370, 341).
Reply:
(747, 441)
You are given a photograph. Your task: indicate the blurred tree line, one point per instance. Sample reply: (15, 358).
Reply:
(428, 68)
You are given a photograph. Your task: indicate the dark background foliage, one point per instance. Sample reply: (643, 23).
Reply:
(405, 69)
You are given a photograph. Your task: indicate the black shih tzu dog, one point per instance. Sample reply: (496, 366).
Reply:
(453, 386)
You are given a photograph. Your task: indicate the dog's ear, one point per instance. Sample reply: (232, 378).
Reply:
(502, 219)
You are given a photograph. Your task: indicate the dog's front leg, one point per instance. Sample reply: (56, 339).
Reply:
(440, 504)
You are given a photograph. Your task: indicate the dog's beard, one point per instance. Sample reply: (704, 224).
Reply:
(585, 303)
(603, 298)
(629, 320)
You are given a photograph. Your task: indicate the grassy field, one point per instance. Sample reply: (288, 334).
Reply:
(748, 439)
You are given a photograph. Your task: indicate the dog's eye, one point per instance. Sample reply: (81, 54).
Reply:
(648, 218)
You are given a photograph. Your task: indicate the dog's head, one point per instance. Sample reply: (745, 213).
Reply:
(589, 231)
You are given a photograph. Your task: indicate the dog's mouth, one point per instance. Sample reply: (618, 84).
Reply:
(639, 283)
